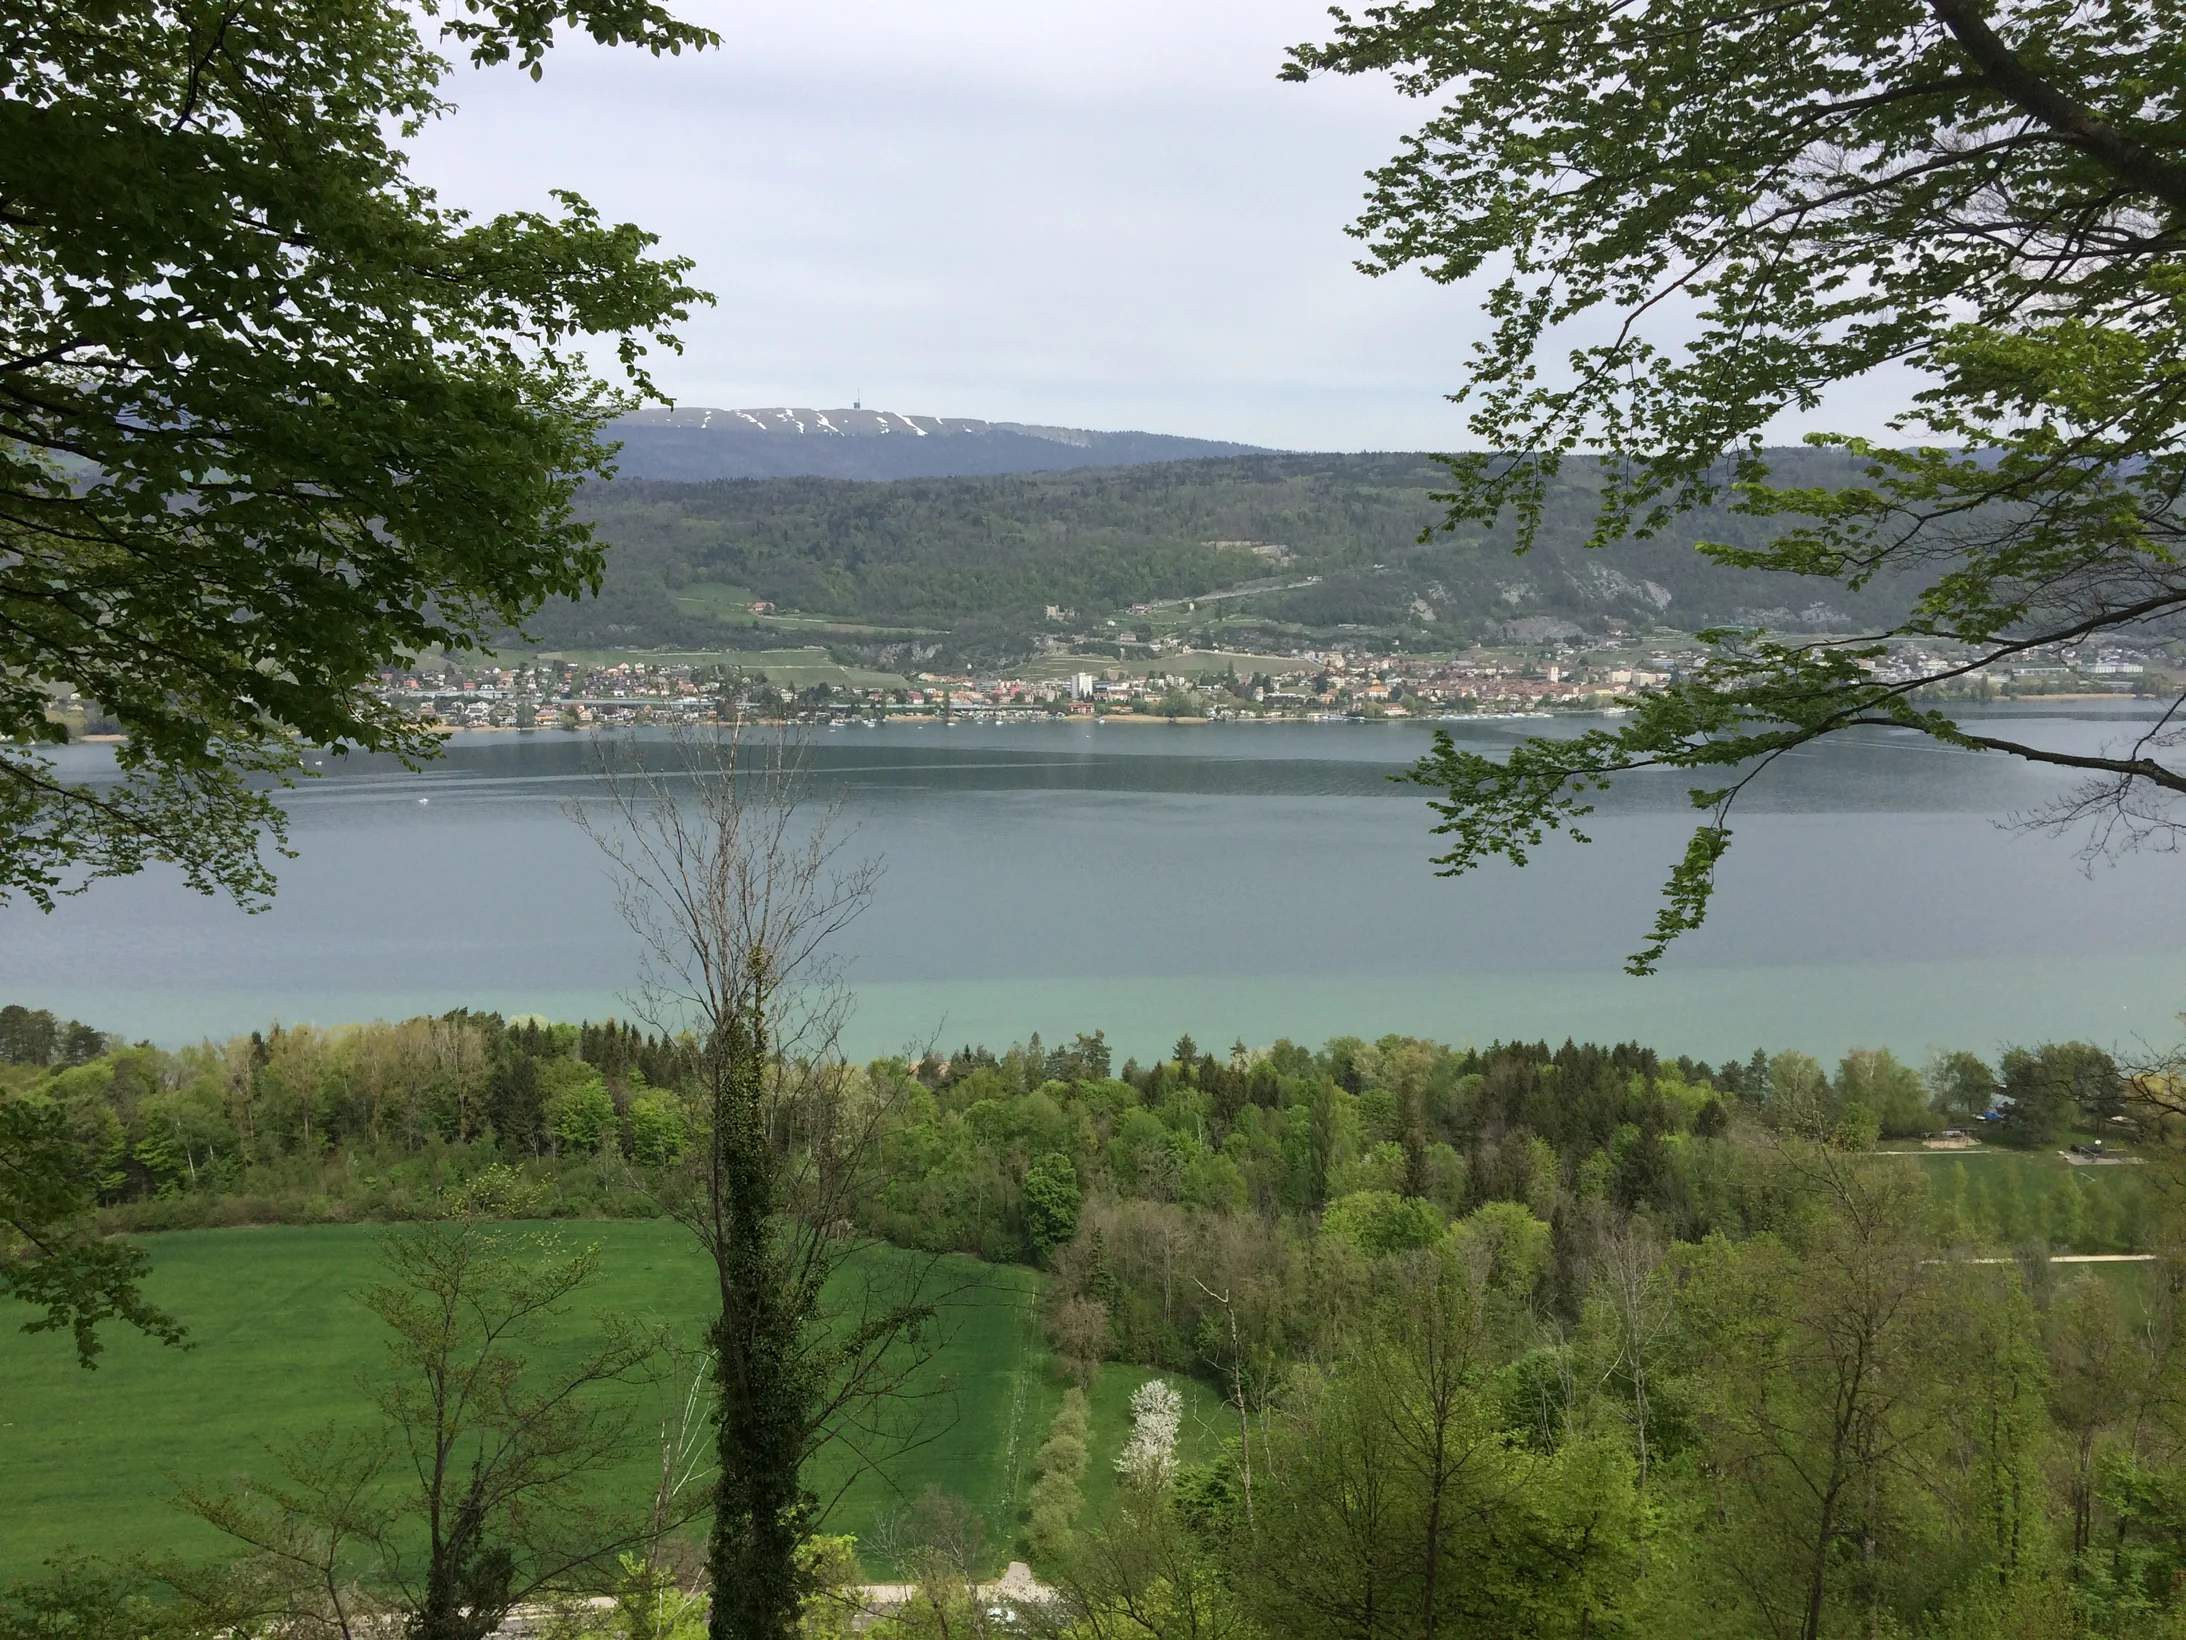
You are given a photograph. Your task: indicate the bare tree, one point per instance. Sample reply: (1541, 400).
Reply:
(1630, 1277)
(1235, 1364)
(1080, 1330)
(654, 1596)
(739, 883)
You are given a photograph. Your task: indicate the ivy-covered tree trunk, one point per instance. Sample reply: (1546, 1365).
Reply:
(762, 1510)
(738, 891)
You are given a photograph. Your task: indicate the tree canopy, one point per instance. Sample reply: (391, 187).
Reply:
(1736, 208)
(47, 1182)
(271, 416)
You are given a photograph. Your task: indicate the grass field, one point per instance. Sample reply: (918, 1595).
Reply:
(792, 668)
(91, 1459)
(1183, 663)
(731, 607)
(2016, 1197)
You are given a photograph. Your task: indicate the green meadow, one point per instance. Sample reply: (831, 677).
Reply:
(92, 1459)
(2022, 1197)
(794, 668)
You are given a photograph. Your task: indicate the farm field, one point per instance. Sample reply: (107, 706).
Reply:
(91, 1459)
(1182, 662)
(730, 606)
(2018, 1197)
(795, 668)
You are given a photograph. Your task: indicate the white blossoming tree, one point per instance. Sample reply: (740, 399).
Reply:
(1149, 1457)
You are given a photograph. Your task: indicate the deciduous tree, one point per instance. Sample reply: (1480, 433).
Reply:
(271, 416)
(739, 886)
(1702, 216)
(1868, 1410)
(482, 1484)
(1962, 1086)
(49, 1181)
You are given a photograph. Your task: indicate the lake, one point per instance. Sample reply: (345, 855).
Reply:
(1233, 881)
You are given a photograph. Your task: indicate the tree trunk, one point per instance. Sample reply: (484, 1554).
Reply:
(759, 1515)
(1818, 1576)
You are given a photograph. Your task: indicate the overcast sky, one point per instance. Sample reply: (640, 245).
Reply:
(1100, 213)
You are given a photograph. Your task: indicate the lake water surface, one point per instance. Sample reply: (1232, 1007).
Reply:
(1248, 881)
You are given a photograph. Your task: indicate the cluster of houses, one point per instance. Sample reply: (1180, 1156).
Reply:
(550, 694)
(1309, 683)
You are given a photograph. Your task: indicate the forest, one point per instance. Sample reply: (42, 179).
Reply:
(1517, 1340)
(966, 554)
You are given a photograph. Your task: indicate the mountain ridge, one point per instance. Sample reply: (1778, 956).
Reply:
(701, 444)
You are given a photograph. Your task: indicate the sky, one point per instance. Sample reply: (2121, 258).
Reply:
(1096, 213)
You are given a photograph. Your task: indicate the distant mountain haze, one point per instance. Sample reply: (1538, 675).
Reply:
(694, 445)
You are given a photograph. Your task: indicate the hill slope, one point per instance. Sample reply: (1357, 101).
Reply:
(1321, 542)
(694, 445)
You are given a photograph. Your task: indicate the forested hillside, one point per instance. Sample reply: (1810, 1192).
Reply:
(1648, 1347)
(980, 552)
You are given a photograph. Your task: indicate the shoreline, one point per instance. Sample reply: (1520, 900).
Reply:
(990, 719)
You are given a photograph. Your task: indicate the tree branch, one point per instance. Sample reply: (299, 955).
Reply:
(2124, 156)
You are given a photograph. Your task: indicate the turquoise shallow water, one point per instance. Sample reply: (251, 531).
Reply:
(1241, 881)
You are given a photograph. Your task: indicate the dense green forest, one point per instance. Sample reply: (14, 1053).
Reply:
(386, 1120)
(1524, 1340)
(984, 557)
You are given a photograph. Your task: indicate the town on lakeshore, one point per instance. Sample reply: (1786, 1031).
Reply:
(1339, 682)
